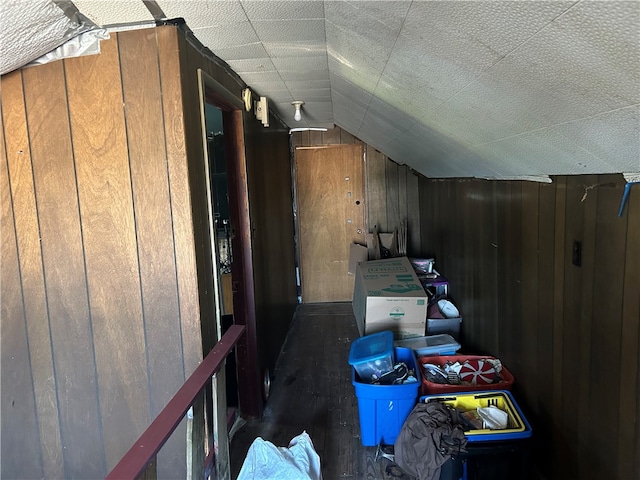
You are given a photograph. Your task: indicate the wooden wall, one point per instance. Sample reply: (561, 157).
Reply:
(391, 189)
(107, 290)
(570, 334)
(100, 314)
(272, 227)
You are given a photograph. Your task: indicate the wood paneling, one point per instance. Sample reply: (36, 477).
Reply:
(568, 333)
(628, 411)
(102, 303)
(152, 209)
(270, 187)
(64, 266)
(32, 274)
(108, 229)
(21, 455)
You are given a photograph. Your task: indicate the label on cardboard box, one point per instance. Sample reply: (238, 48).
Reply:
(388, 296)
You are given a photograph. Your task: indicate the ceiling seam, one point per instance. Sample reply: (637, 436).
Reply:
(326, 56)
(508, 54)
(385, 65)
(546, 127)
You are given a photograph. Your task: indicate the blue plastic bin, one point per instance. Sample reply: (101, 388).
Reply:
(384, 408)
(372, 355)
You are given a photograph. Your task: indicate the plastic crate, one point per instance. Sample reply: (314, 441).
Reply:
(372, 355)
(431, 388)
(517, 428)
(431, 345)
(382, 409)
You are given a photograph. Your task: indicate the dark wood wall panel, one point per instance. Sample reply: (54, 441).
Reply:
(21, 456)
(102, 308)
(65, 275)
(170, 46)
(271, 211)
(392, 190)
(109, 238)
(629, 409)
(32, 275)
(544, 326)
(152, 209)
(606, 327)
(569, 333)
(376, 185)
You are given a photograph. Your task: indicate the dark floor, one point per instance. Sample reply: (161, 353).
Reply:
(311, 390)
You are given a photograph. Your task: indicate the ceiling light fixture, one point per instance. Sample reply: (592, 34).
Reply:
(297, 116)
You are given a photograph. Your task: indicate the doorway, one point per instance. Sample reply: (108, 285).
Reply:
(221, 114)
(331, 215)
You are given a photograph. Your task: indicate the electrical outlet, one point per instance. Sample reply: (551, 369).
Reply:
(576, 253)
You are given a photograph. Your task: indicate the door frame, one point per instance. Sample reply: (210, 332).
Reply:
(250, 400)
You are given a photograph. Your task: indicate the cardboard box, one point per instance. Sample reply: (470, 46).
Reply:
(357, 254)
(388, 296)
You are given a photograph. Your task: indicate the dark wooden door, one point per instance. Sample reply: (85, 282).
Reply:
(331, 216)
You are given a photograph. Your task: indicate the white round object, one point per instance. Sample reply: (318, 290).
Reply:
(448, 309)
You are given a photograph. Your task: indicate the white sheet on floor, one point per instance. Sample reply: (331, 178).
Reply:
(297, 462)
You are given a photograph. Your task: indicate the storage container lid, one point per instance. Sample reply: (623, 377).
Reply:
(431, 345)
(371, 347)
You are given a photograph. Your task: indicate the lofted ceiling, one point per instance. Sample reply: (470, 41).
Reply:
(491, 89)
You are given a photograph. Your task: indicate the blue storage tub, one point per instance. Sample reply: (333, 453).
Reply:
(384, 408)
(372, 355)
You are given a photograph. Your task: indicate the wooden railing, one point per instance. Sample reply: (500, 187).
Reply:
(144, 450)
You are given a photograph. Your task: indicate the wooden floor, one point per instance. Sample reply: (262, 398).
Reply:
(311, 390)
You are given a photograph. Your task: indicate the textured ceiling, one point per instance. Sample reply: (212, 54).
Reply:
(497, 89)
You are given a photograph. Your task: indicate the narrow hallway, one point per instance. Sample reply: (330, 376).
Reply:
(311, 390)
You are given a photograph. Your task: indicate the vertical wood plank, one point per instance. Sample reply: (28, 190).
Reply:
(546, 370)
(514, 277)
(629, 419)
(606, 327)
(346, 137)
(402, 195)
(21, 451)
(169, 47)
(392, 194)
(530, 285)
(331, 136)
(104, 186)
(65, 275)
(296, 139)
(414, 243)
(32, 275)
(587, 461)
(305, 139)
(148, 159)
(559, 444)
(488, 271)
(315, 137)
(171, 59)
(573, 284)
(376, 190)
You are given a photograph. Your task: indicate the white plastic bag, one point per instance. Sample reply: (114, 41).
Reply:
(265, 461)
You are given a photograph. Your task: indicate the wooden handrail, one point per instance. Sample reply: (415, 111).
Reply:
(136, 460)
